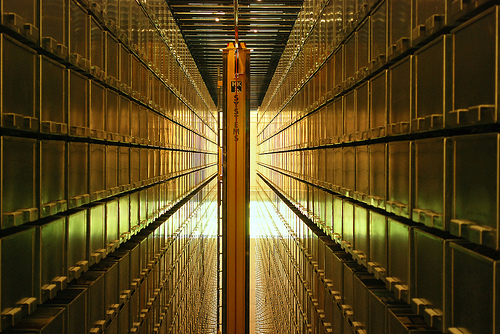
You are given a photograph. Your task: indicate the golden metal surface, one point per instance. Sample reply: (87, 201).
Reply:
(236, 187)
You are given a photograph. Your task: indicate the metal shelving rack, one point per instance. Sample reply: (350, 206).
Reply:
(108, 162)
(371, 134)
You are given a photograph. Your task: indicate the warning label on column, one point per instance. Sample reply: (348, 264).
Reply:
(236, 85)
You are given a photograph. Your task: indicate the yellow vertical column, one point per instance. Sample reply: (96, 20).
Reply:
(236, 188)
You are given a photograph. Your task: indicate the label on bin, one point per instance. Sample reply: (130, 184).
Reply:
(234, 85)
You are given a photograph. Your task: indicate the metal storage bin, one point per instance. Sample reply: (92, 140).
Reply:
(50, 258)
(75, 302)
(18, 97)
(349, 271)
(475, 90)
(53, 27)
(337, 216)
(124, 120)
(473, 269)
(399, 179)
(145, 38)
(125, 84)
(94, 282)
(362, 112)
(378, 36)
(339, 72)
(362, 173)
(111, 63)
(124, 318)
(154, 87)
(348, 171)
(97, 170)
(135, 74)
(110, 270)
(134, 212)
(112, 225)
(53, 107)
(433, 82)
(52, 177)
(152, 193)
(461, 10)
(334, 272)
(97, 111)
(362, 284)
(377, 175)
(143, 125)
(379, 87)
(78, 105)
(377, 261)
(78, 193)
(79, 33)
(19, 181)
(433, 182)
(363, 56)
(112, 327)
(143, 204)
(124, 217)
(401, 320)
(124, 168)
(96, 49)
(135, 122)
(125, 9)
(96, 230)
(144, 247)
(475, 200)
(21, 17)
(349, 116)
(113, 114)
(432, 288)
(361, 235)
(330, 169)
(152, 128)
(76, 255)
(112, 170)
(46, 320)
(399, 27)
(349, 65)
(17, 277)
(429, 18)
(97, 8)
(122, 257)
(112, 10)
(143, 172)
(134, 261)
(401, 96)
(400, 256)
(379, 302)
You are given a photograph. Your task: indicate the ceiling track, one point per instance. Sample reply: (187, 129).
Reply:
(264, 26)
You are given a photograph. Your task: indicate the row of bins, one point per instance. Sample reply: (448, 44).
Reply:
(429, 90)
(77, 34)
(445, 92)
(57, 99)
(431, 181)
(44, 177)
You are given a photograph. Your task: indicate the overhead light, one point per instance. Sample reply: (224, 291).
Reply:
(255, 31)
(217, 19)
